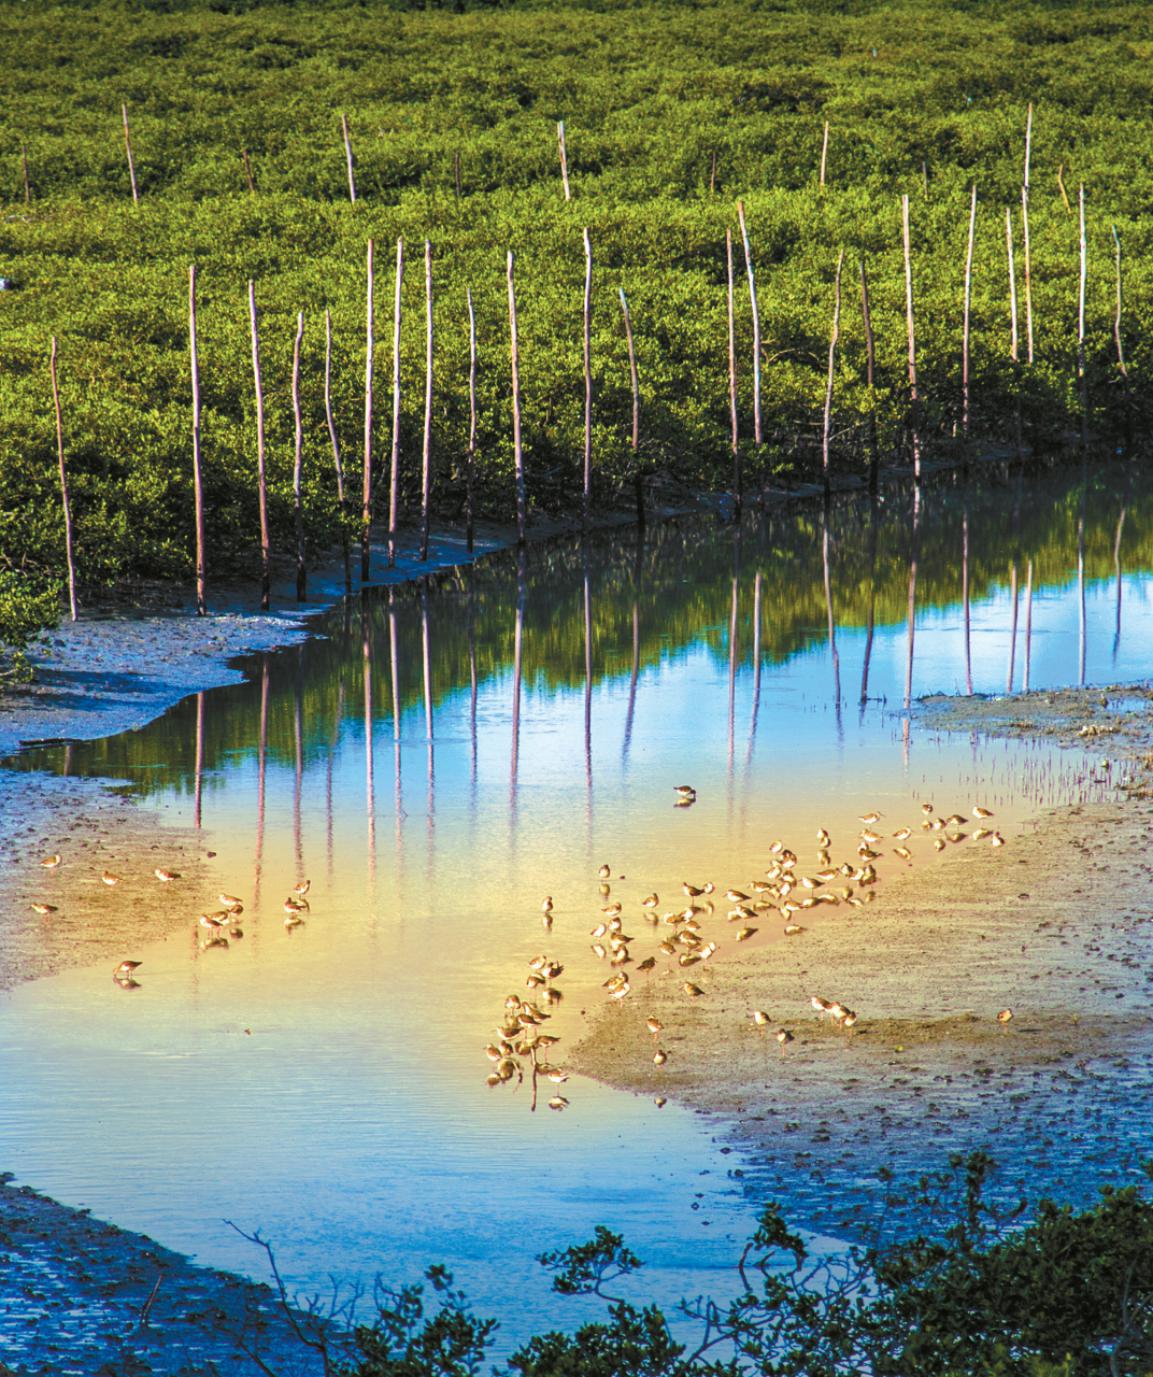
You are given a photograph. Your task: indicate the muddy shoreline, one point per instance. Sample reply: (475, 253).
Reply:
(1054, 926)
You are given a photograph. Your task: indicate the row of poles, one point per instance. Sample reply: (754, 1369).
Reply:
(368, 494)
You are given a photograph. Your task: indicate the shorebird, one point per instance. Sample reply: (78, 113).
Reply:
(902, 834)
(745, 933)
(1005, 1016)
(297, 906)
(660, 1057)
(736, 896)
(166, 876)
(685, 791)
(784, 1037)
(695, 892)
(979, 812)
(822, 1006)
(44, 909)
(229, 901)
(647, 964)
(558, 1102)
(546, 904)
(980, 833)
(654, 1025)
(604, 872)
(760, 1020)
(125, 970)
(302, 887)
(51, 862)
(693, 991)
(109, 879)
(996, 839)
(792, 929)
(870, 818)
(650, 901)
(928, 809)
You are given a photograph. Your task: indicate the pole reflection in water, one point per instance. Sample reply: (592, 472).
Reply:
(832, 628)
(911, 617)
(261, 772)
(1012, 627)
(1028, 622)
(758, 583)
(967, 611)
(1083, 634)
(517, 672)
(588, 626)
(369, 759)
(471, 576)
(733, 639)
(871, 611)
(1117, 576)
(199, 768)
(394, 681)
(426, 663)
(635, 669)
(298, 756)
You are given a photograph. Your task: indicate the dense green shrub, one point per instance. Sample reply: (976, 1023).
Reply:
(920, 100)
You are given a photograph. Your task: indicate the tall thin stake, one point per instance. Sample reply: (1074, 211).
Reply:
(586, 500)
(713, 175)
(261, 479)
(735, 442)
(298, 462)
(24, 170)
(824, 152)
(366, 476)
(636, 431)
(827, 428)
(394, 457)
(64, 482)
(1028, 275)
(336, 451)
(757, 433)
(563, 159)
(128, 150)
(348, 158)
(518, 453)
(1014, 351)
(426, 448)
(1062, 190)
(1028, 144)
(1082, 380)
(870, 378)
(1117, 309)
(968, 302)
(197, 475)
(913, 398)
(470, 474)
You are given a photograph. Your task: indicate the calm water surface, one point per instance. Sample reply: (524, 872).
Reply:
(449, 754)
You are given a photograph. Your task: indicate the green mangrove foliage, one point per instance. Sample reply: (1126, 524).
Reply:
(673, 112)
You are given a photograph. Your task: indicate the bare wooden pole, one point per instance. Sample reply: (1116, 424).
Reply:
(457, 182)
(394, 456)
(731, 305)
(913, 397)
(824, 153)
(248, 177)
(1028, 144)
(1014, 348)
(827, 427)
(586, 500)
(1082, 380)
(369, 356)
(261, 479)
(870, 378)
(563, 159)
(197, 474)
(757, 432)
(24, 170)
(426, 448)
(636, 431)
(518, 453)
(1117, 308)
(336, 451)
(128, 150)
(1028, 275)
(348, 158)
(713, 175)
(470, 475)
(64, 483)
(968, 303)
(298, 463)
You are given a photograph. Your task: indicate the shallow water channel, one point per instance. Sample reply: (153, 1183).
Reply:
(451, 752)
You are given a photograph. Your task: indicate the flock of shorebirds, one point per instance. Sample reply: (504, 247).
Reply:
(218, 928)
(523, 1050)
